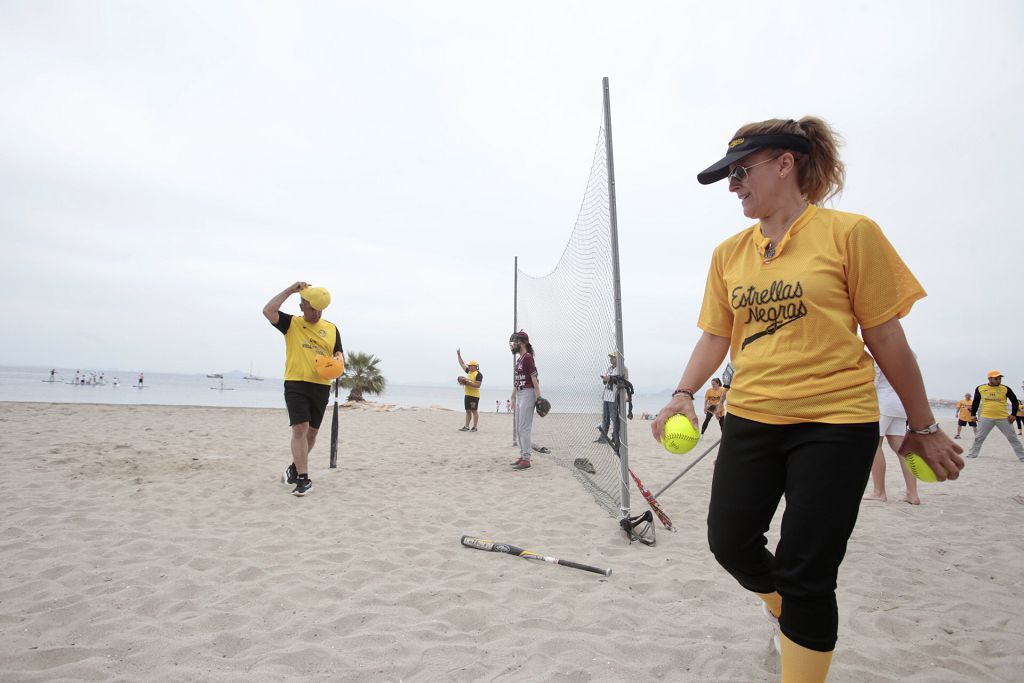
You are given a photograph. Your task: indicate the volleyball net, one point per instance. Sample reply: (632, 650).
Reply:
(570, 315)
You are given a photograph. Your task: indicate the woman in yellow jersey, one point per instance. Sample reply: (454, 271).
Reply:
(1020, 418)
(964, 417)
(712, 404)
(786, 298)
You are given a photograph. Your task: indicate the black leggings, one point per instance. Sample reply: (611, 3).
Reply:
(822, 469)
(707, 419)
(1020, 421)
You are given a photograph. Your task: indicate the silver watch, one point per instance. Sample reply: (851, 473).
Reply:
(930, 429)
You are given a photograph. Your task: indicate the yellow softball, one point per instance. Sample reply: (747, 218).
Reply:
(919, 468)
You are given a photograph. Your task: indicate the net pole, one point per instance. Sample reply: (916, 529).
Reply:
(621, 359)
(515, 324)
(334, 427)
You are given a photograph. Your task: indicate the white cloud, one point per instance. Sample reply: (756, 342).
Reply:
(168, 168)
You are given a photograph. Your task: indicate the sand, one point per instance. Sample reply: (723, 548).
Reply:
(156, 543)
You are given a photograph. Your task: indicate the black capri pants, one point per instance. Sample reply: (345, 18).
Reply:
(822, 469)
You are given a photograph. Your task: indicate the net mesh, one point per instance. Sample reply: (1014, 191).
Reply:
(570, 317)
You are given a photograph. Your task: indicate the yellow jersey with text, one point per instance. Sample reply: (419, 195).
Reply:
(993, 401)
(713, 396)
(793, 318)
(963, 410)
(305, 341)
(472, 377)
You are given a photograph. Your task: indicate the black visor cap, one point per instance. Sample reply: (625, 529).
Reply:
(746, 145)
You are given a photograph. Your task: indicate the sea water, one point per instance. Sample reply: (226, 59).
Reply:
(29, 384)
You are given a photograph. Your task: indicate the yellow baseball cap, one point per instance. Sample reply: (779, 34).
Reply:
(994, 373)
(318, 297)
(329, 367)
(474, 362)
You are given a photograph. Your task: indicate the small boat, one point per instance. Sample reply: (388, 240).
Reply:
(222, 387)
(215, 375)
(251, 377)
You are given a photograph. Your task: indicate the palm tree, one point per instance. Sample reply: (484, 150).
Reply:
(362, 376)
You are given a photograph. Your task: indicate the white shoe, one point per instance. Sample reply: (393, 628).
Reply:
(776, 632)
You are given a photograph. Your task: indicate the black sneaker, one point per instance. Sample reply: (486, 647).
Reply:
(473, 429)
(302, 487)
(463, 429)
(290, 476)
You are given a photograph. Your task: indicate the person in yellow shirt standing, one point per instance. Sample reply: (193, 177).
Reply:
(786, 298)
(964, 417)
(990, 399)
(713, 403)
(472, 381)
(306, 337)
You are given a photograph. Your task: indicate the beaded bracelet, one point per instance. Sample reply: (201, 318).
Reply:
(685, 392)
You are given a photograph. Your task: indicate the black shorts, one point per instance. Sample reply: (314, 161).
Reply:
(964, 423)
(306, 402)
(472, 402)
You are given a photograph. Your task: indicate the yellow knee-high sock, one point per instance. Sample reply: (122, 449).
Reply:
(774, 602)
(803, 665)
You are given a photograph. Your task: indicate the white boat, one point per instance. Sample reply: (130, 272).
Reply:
(251, 377)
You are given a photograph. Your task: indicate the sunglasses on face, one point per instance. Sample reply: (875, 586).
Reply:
(739, 174)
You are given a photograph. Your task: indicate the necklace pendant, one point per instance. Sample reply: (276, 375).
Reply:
(769, 253)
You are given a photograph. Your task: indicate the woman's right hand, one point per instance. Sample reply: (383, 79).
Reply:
(679, 405)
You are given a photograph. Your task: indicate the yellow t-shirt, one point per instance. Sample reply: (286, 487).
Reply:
(963, 407)
(303, 343)
(473, 391)
(993, 402)
(793, 319)
(713, 396)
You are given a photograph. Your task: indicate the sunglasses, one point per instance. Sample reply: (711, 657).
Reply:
(740, 173)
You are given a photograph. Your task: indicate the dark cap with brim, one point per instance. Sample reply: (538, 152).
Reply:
(746, 145)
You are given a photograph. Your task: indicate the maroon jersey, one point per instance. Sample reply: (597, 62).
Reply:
(525, 370)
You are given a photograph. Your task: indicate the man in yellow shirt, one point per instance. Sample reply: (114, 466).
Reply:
(964, 417)
(306, 337)
(472, 381)
(991, 399)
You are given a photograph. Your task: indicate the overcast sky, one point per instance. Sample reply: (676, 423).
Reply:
(167, 167)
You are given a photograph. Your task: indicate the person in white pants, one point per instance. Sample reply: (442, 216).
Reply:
(525, 394)
(991, 399)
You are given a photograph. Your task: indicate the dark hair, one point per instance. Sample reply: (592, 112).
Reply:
(716, 380)
(529, 348)
(820, 174)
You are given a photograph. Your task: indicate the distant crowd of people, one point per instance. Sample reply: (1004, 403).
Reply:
(88, 379)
